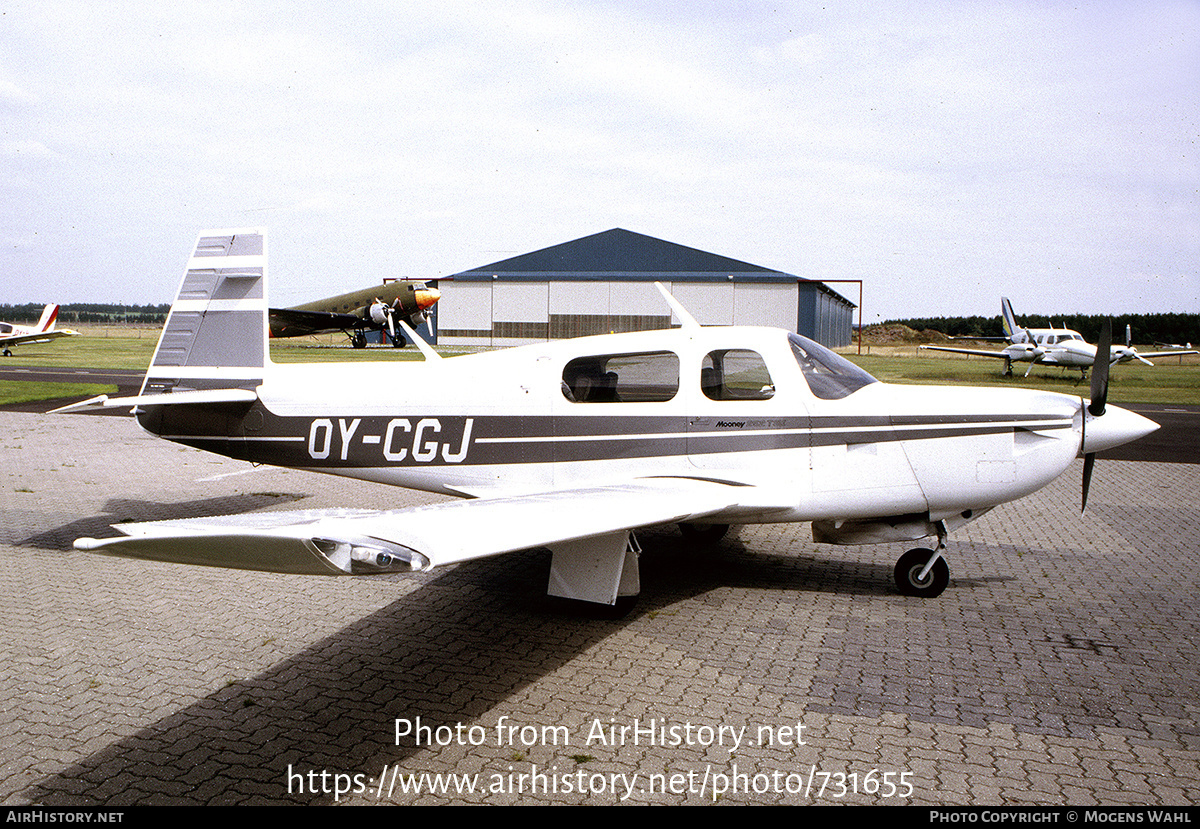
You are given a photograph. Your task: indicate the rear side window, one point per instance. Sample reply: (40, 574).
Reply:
(652, 377)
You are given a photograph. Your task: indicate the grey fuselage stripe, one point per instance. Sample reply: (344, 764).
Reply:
(432, 440)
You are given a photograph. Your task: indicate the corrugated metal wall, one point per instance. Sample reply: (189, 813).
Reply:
(500, 312)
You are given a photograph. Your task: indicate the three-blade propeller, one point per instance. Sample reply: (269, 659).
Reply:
(1098, 402)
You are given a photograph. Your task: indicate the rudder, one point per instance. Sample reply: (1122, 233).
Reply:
(1009, 319)
(48, 320)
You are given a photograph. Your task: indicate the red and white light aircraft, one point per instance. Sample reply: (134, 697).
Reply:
(45, 330)
(575, 444)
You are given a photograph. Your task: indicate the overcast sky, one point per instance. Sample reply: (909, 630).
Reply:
(943, 152)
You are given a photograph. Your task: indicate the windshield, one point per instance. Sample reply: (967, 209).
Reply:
(829, 375)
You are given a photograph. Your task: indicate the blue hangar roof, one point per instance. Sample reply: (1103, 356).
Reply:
(623, 255)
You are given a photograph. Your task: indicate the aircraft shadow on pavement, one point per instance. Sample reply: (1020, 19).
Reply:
(448, 652)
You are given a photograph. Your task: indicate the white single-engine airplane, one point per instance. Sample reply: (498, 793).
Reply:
(45, 330)
(575, 444)
(1060, 347)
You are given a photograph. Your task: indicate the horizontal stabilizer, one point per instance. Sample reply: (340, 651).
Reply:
(178, 398)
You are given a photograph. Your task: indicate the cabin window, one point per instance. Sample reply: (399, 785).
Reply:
(652, 377)
(830, 376)
(735, 374)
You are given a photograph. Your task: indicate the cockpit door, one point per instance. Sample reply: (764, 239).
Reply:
(742, 414)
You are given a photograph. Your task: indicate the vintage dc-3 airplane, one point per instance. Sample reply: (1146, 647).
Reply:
(1059, 347)
(575, 444)
(356, 313)
(45, 330)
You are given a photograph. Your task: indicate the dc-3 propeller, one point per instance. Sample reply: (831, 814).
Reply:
(388, 316)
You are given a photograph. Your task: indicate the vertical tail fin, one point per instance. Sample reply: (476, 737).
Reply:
(49, 317)
(1009, 320)
(216, 334)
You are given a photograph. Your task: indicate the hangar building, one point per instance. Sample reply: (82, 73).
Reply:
(605, 283)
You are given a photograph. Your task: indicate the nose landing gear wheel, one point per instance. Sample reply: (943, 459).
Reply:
(908, 572)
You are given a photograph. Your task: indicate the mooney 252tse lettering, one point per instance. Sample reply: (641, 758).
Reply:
(575, 444)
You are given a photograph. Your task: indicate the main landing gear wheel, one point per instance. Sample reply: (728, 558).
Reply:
(358, 340)
(705, 535)
(908, 572)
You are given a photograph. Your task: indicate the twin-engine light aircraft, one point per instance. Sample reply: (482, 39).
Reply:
(45, 330)
(356, 313)
(1060, 347)
(575, 444)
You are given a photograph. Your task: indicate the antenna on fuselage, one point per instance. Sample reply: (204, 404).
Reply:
(686, 320)
(426, 349)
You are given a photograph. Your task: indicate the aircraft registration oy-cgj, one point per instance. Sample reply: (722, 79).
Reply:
(46, 329)
(574, 444)
(1059, 347)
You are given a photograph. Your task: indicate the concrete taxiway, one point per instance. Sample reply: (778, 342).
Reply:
(1058, 668)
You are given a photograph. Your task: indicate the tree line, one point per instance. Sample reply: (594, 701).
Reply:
(96, 312)
(1147, 328)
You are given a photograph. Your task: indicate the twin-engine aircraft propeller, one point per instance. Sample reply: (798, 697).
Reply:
(385, 315)
(1129, 350)
(1034, 349)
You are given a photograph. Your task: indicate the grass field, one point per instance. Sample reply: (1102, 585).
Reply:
(1172, 380)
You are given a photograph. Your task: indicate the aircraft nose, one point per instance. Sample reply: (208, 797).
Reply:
(1115, 427)
(426, 297)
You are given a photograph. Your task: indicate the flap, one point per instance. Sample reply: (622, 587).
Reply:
(359, 541)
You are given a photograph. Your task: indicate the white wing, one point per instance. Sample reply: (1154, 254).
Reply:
(975, 351)
(350, 542)
(1167, 353)
(38, 337)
